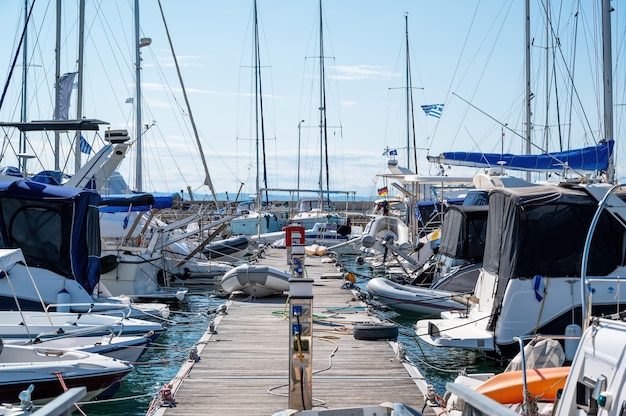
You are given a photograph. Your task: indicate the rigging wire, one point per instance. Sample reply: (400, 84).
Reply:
(17, 53)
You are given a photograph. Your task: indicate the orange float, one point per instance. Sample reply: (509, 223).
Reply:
(508, 387)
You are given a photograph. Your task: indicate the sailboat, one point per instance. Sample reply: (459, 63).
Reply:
(258, 217)
(322, 210)
(389, 231)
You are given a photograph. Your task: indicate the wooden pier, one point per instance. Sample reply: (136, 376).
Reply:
(244, 361)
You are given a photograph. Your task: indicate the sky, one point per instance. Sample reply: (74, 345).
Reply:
(467, 55)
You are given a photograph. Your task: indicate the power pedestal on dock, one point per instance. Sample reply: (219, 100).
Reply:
(297, 261)
(294, 237)
(300, 343)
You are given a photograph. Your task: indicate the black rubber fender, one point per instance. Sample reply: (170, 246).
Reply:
(372, 331)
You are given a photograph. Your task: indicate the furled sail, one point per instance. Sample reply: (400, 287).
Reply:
(593, 158)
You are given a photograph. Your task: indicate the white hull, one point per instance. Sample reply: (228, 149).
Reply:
(200, 273)
(308, 221)
(123, 348)
(248, 224)
(256, 281)
(136, 277)
(227, 250)
(21, 366)
(36, 288)
(195, 267)
(139, 310)
(33, 286)
(521, 314)
(44, 325)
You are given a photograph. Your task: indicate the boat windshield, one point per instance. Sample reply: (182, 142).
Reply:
(312, 204)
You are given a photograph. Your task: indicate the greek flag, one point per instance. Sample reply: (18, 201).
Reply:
(129, 100)
(433, 110)
(84, 146)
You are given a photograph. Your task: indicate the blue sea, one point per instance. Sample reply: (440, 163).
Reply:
(190, 320)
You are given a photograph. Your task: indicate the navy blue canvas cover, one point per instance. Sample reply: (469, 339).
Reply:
(56, 227)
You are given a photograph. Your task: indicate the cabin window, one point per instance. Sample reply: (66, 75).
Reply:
(37, 231)
(551, 240)
(36, 227)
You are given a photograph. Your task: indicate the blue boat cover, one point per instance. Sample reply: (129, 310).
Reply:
(591, 158)
(136, 202)
(11, 171)
(51, 177)
(57, 228)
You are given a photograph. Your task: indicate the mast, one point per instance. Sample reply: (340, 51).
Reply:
(139, 157)
(528, 92)
(323, 128)
(23, 113)
(255, 53)
(413, 225)
(79, 99)
(546, 134)
(207, 177)
(258, 114)
(410, 118)
(57, 85)
(607, 61)
(407, 81)
(261, 118)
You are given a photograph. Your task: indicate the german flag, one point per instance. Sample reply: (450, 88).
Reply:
(382, 191)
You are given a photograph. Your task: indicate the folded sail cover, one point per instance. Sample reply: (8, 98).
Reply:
(588, 158)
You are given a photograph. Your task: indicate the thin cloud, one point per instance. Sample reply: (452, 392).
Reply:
(146, 86)
(361, 72)
(184, 61)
